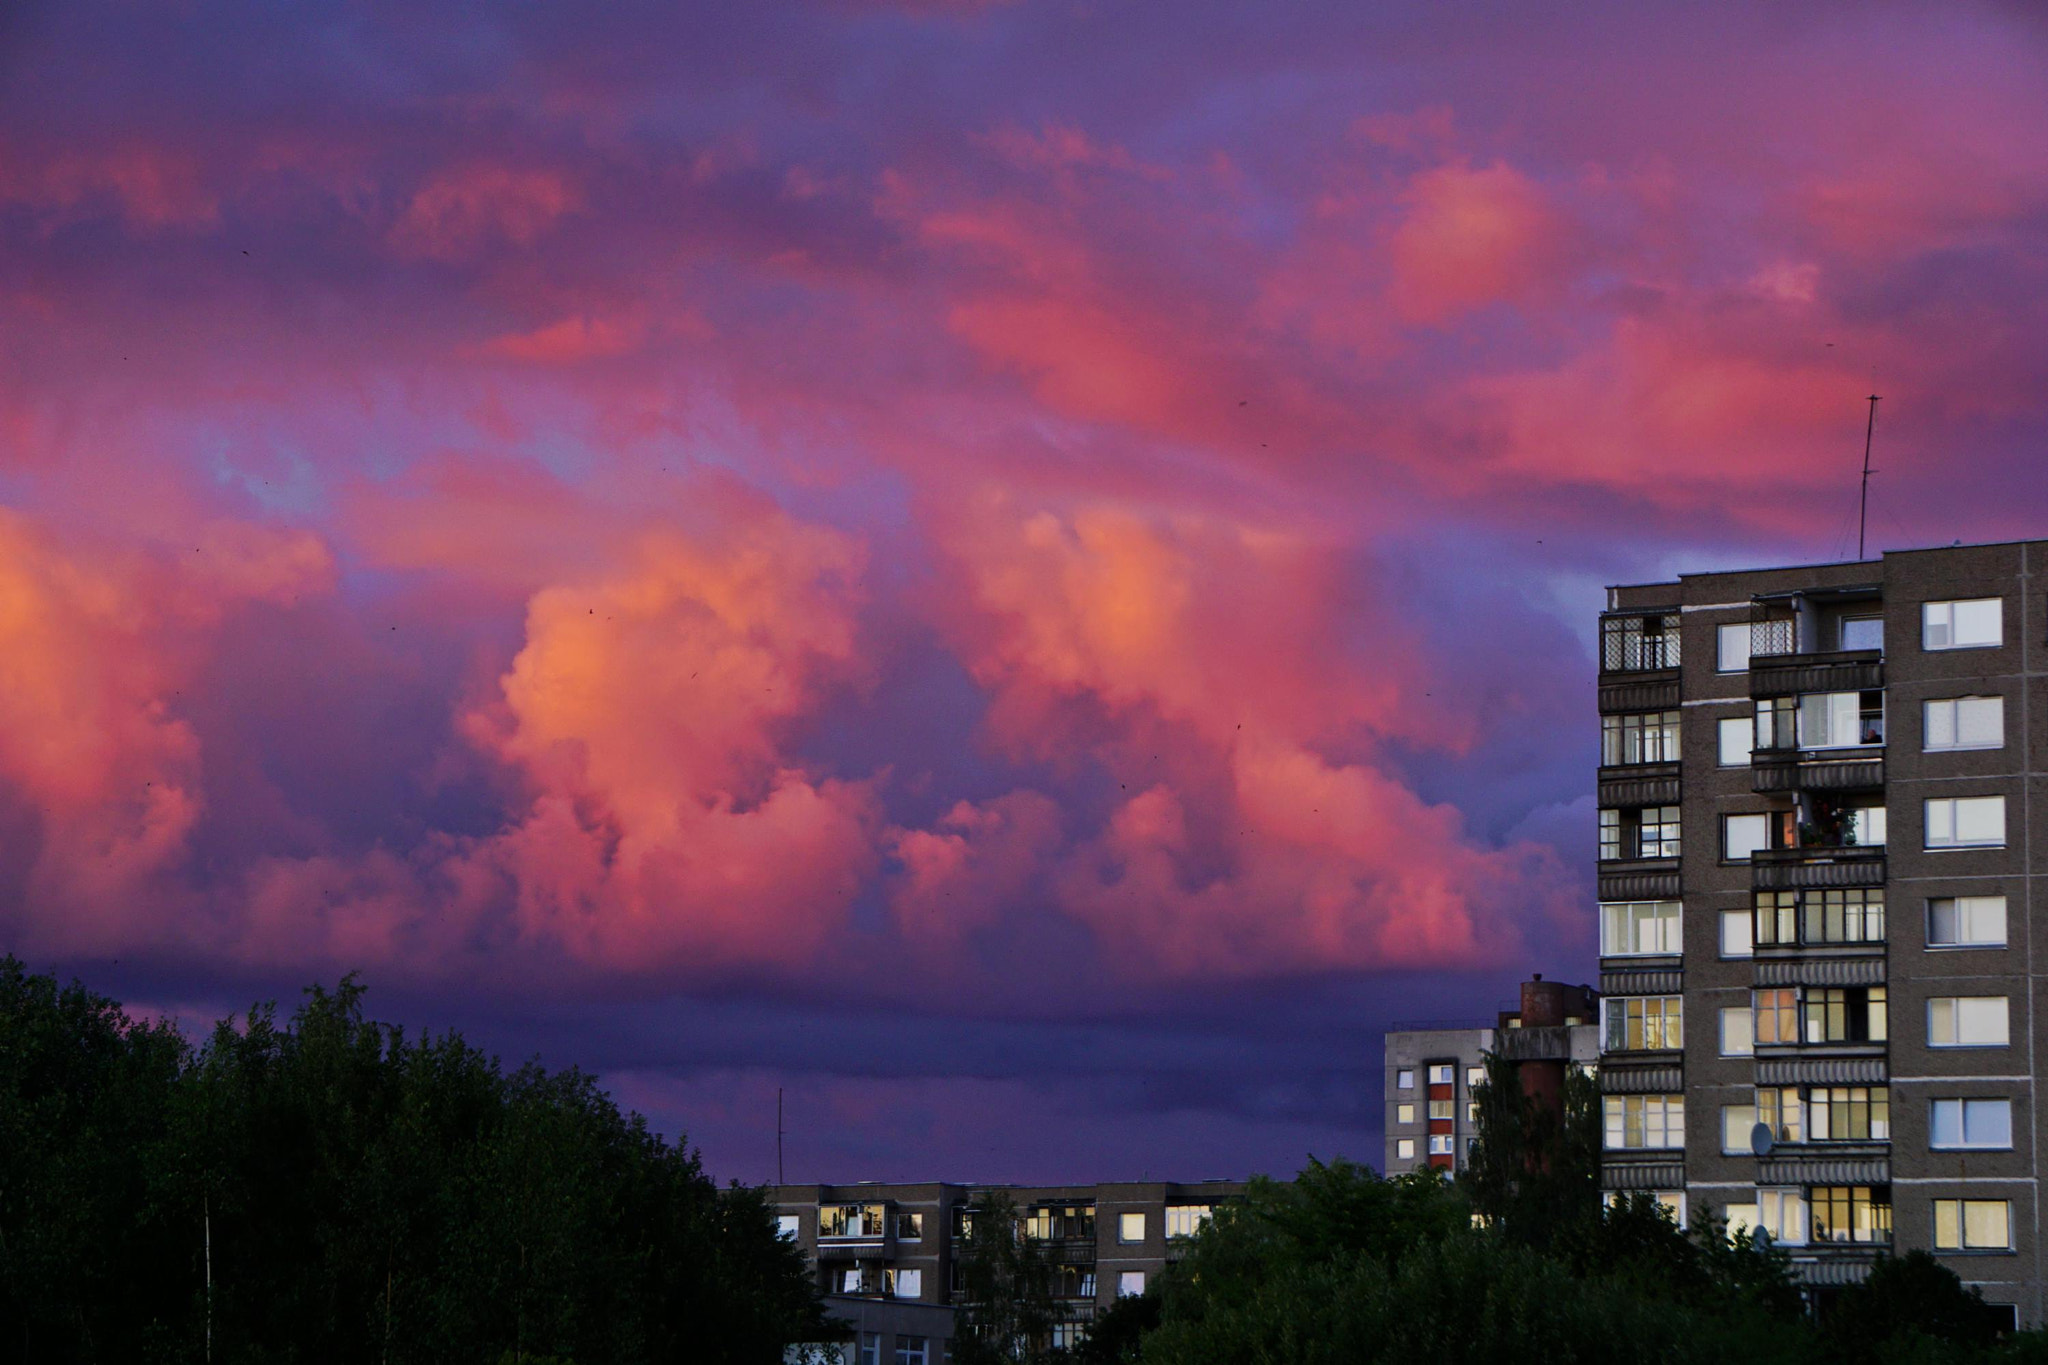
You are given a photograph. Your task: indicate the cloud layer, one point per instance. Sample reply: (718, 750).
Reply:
(983, 514)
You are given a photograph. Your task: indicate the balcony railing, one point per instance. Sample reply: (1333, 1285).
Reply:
(1791, 869)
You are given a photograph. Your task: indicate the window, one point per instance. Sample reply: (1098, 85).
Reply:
(1130, 1227)
(1851, 1014)
(1439, 1144)
(1738, 1031)
(1185, 1220)
(1849, 1113)
(1966, 1021)
(1784, 918)
(1776, 723)
(1130, 1283)
(1738, 737)
(1966, 822)
(1737, 1122)
(1971, 624)
(910, 1227)
(1404, 1113)
(786, 1226)
(1442, 1073)
(1972, 1225)
(1474, 1076)
(870, 1348)
(1645, 1121)
(1404, 1148)
(909, 1284)
(1441, 1109)
(1841, 720)
(1643, 1022)
(1638, 928)
(1963, 723)
(1644, 832)
(1779, 1107)
(1782, 1214)
(1404, 1079)
(1867, 826)
(913, 1351)
(1734, 649)
(1966, 921)
(1743, 835)
(1634, 644)
(1740, 1218)
(851, 1220)
(1472, 1113)
(1971, 1123)
(1776, 1013)
(1646, 737)
(1851, 1213)
(1862, 632)
(1737, 936)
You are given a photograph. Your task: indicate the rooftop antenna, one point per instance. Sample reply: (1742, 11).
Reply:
(778, 1135)
(1863, 506)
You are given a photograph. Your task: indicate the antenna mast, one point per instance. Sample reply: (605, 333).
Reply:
(1863, 506)
(778, 1135)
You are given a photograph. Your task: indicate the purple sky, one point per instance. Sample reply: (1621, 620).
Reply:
(1019, 571)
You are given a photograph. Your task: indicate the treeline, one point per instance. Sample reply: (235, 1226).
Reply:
(328, 1188)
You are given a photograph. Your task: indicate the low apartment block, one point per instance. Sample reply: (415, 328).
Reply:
(1816, 862)
(888, 1256)
(1431, 1069)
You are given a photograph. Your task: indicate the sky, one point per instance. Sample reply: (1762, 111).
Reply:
(1018, 573)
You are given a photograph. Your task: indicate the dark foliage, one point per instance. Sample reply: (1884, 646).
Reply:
(355, 1195)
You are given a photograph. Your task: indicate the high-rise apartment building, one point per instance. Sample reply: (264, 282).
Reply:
(1431, 1069)
(1816, 861)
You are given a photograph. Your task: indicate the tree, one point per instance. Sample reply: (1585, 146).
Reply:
(1534, 1172)
(1911, 1307)
(1006, 1282)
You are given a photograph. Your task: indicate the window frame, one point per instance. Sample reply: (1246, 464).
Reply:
(1963, 1105)
(1954, 803)
(1671, 928)
(1954, 1012)
(1961, 1225)
(1763, 818)
(1946, 945)
(1955, 723)
(1946, 609)
(1748, 750)
(1722, 635)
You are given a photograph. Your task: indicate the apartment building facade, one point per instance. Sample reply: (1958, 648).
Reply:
(1431, 1069)
(888, 1257)
(1817, 860)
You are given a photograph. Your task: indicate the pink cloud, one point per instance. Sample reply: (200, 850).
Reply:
(461, 210)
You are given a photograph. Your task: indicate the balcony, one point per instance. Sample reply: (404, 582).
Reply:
(1820, 865)
(1778, 771)
(1638, 879)
(1835, 670)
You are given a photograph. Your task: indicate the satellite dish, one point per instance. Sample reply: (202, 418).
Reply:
(1762, 1139)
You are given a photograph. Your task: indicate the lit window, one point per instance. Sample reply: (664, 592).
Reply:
(1971, 624)
(1404, 1079)
(1734, 648)
(1779, 1108)
(1643, 1022)
(1442, 1074)
(1963, 723)
(1972, 1225)
(1474, 1076)
(1971, 1123)
(1441, 1109)
(1737, 938)
(1130, 1283)
(1782, 1214)
(1639, 928)
(786, 1226)
(1738, 1031)
(1965, 822)
(1776, 1016)
(1439, 1144)
(1743, 835)
(1740, 1217)
(1738, 739)
(1738, 1122)
(1967, 1021)
(909, 1284)
(1404, 1148)
(1130, 1227)
(1404, 1113)
(1644, 1121)
(1820, 916)
(1185, 1220)
(1844, 1014)
(1966, 921)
